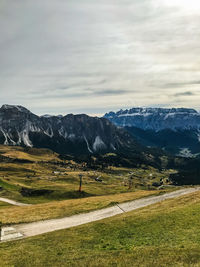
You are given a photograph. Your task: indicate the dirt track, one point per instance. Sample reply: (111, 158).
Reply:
(41, 227)
(12, 202)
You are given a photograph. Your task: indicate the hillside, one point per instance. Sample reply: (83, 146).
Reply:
(28, 153)
(183, 143)
(175, 130)
(156, 119)
(33, 175)
(70, 134)
(164, 234)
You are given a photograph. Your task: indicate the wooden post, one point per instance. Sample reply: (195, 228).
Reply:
(130, 182)
(81, 179)
(0, 230)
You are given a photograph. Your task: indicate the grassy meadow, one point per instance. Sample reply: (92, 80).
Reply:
(42, 169)
(58, 209)
(55, 183)
(4, 205)
(164, 234)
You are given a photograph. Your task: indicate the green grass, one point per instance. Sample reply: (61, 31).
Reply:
(4, 205)
(165, 234)
(31, 154)
(60, 209)
(41, 175)
(60, 179)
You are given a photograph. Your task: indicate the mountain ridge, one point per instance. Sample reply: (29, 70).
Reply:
(156, 118)
(67, 134)
(175, 130)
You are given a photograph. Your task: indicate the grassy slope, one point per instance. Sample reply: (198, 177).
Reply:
(65, 186)
(32, 154)
(46, 171)
(4, 205)
(165, 234)
(58, 209)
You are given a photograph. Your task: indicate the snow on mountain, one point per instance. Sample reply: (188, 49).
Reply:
(46, 116)
(50, 116)
(11, 107)
(176, 130)
(156, 119)
(64, 134)
(98, 144)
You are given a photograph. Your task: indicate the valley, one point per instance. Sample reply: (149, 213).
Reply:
(50, 185)
(99, 133)
(175, 130)
(124, 192)
(163, 234)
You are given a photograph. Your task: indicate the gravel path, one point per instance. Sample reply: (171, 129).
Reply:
(12, 202)
(41, 227)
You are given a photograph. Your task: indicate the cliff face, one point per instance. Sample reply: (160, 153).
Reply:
(156, 119)
(68, 134)
(175, 130)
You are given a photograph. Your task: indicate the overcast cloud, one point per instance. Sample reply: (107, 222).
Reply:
(86, 56)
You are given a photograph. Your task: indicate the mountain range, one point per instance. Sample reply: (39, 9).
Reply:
(176, 130)
(70, 134)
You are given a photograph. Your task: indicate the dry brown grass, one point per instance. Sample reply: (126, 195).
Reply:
(32, 154)
(58, 209)
(4, 205)
(165, 234)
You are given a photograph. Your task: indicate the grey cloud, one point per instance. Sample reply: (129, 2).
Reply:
(69, 92)
(111, 92)
(57, 54)
(181, 84)
(188, 93)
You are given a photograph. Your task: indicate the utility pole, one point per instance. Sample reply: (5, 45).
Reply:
(130, 182)
(81, 179)
(0, 230)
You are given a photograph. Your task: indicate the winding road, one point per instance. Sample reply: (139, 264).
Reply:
(41, 227)
(12, 202)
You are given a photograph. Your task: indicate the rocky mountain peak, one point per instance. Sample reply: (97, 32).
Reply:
(16, 108)
(156, 118)
(65, 134)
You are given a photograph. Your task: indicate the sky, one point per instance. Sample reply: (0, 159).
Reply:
(86, 56)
